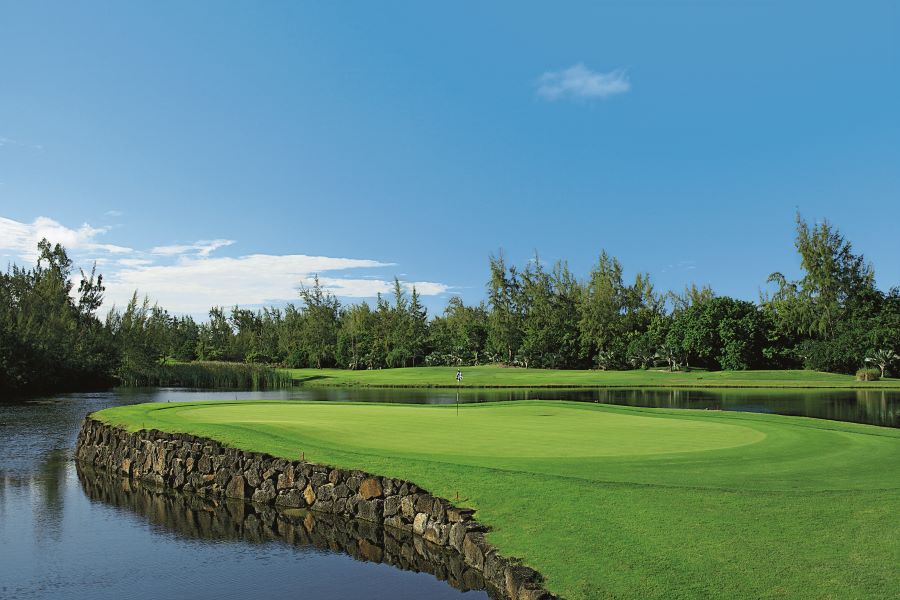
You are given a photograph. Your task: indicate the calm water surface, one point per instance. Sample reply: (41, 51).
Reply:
(69, 534)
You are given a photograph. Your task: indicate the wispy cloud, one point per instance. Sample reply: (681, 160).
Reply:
(187, 278)
(22, 238)
(5, 141)
(580, 83)
(682, 265)
(194, 284)
(200, 248)
(135, 262)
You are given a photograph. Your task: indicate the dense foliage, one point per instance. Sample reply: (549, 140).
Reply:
(49, 337)
(833, 318)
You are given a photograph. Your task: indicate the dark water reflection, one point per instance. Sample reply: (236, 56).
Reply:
(192, 517)
(61, 537)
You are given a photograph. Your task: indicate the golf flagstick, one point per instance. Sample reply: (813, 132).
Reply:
(458, 380)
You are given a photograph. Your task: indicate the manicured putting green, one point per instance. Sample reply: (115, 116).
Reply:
(504, 430)
(611, 501)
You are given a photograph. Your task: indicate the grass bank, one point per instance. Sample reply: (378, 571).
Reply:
(616, 501)
(492, 376)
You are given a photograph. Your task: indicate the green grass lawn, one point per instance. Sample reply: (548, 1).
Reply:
(616, 502)
(492, 376)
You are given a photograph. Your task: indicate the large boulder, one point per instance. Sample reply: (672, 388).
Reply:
(325, 492)
(286, 479)
(237, 488)
(340, 505)
(266, 492)
(291, 498)
(309, 494)
(408, 506)
(370, 510)
(457, 536)
(522, 582)
(436, 533)
(324, 506)
(455, 515)
(439, 509)
(370, 488)
(391, 506)
(252, 475)
(420, 522)
(223, 476)
(472, 549)
(335, 476)
(425, 503)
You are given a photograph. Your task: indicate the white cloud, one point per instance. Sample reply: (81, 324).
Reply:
(113, 213)
(22, 238)
(134, 262)
(187, 279)
(200, 247)
(579, 82)
(193, 285)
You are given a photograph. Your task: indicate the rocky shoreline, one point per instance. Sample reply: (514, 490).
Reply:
(207, 468)
(191, 516)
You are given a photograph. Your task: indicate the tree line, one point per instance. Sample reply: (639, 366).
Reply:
(833, 318)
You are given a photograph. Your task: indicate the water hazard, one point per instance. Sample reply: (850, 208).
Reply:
(874, 407)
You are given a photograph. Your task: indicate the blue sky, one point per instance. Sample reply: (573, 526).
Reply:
(225, 151)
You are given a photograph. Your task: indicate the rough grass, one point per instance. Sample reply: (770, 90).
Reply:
(492, 376)
(617, 502)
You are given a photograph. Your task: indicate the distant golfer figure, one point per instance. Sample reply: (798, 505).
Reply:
(458, 375)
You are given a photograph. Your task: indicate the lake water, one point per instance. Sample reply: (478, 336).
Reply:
(65, 533)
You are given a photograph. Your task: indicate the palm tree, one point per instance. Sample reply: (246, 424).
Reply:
(668, 353)
(605, 360)
(882, 358)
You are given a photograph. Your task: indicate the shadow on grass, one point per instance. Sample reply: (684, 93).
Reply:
(302, 380)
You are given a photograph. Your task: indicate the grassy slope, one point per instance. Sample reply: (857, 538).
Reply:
(491, 376)
(618, 501)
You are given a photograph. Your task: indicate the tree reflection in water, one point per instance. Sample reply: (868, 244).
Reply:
(191, 516)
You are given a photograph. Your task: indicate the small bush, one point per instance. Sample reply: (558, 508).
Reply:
(868, 375)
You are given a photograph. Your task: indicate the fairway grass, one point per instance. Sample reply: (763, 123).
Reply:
(494, 376)
(615, 502)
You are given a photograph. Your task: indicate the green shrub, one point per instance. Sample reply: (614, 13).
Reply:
(868, 375)
(207, 374)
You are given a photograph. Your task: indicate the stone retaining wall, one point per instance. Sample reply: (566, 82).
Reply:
(225, 519)
(209, 469)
